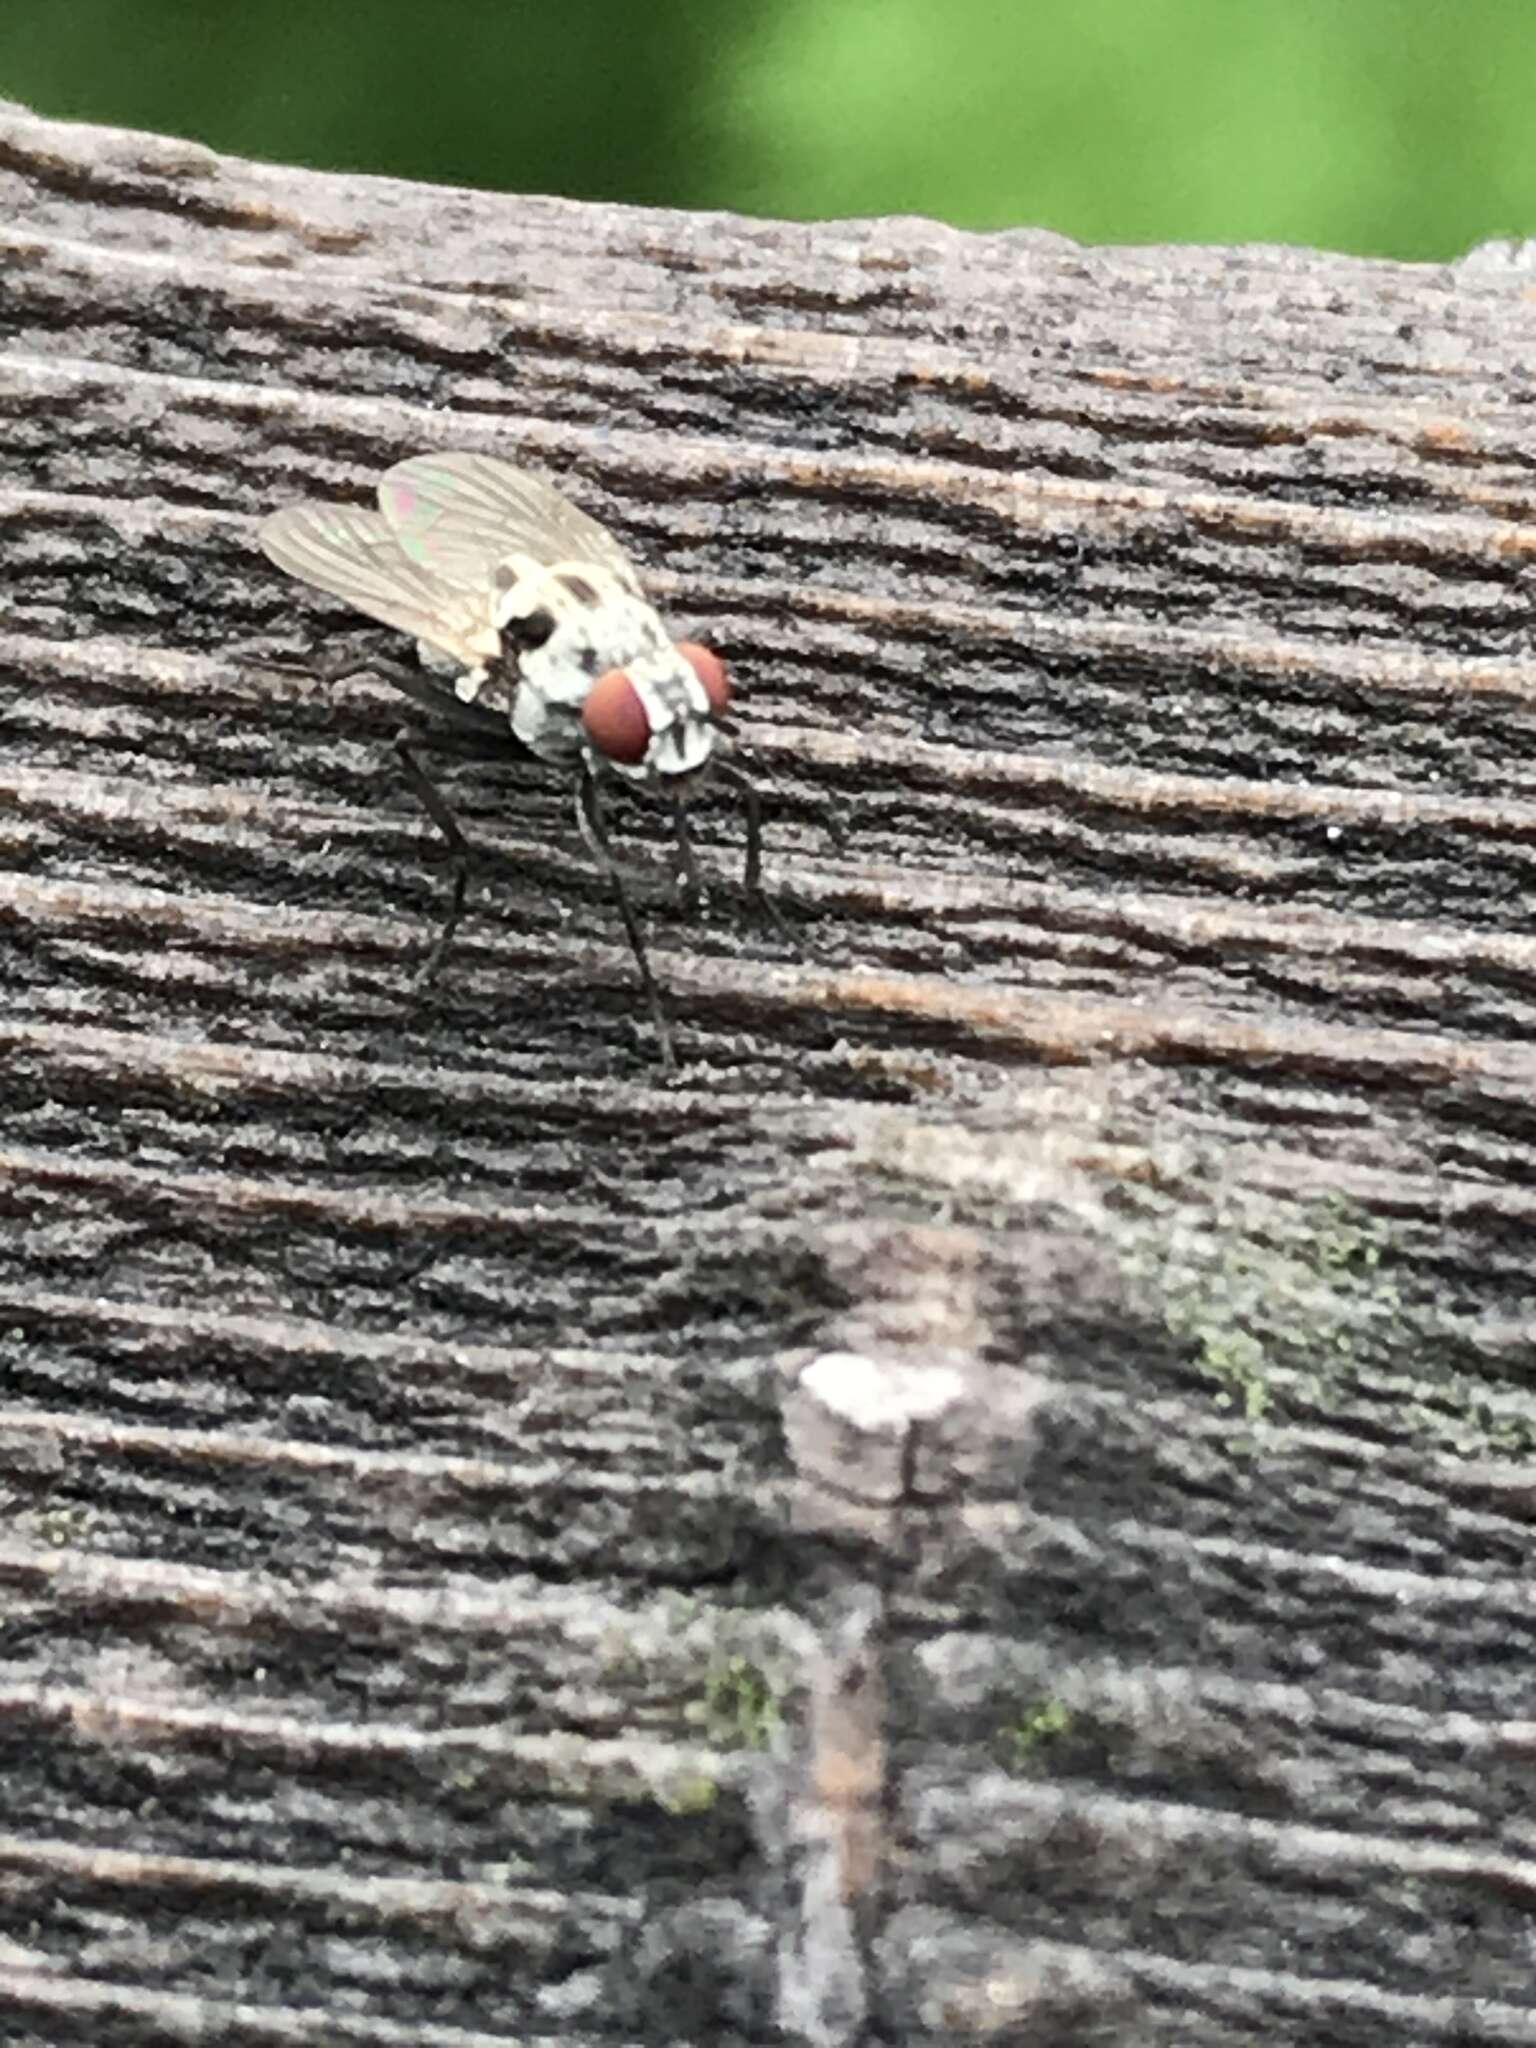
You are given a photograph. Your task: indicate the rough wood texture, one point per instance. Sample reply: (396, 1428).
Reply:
(994, 1508)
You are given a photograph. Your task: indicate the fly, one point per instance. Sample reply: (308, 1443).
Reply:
(536, 614)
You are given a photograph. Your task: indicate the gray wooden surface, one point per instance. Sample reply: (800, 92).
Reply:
(994, 1507)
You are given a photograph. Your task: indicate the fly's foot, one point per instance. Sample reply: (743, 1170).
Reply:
(431, 967)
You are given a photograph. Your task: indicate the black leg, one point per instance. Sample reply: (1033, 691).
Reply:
(468, 722)
(475, 726)
(752, 804)
(430, 797)
(831, 820)
(685, 873)
(752, 866)
(589, 818)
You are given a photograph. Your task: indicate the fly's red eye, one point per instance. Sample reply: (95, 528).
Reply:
(711, 672)
(615, 719)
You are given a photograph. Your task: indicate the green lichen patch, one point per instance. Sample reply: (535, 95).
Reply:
(1275, 1296)
(1028, 1742)
(740, 1709)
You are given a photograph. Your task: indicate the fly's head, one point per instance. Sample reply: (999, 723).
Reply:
(657, 719)
(593, 669)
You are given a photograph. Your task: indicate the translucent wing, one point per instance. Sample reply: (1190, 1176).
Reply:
(353, 555)
(461, 515)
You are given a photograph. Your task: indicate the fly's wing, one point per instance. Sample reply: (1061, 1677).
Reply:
(461, 516)
(353, 555)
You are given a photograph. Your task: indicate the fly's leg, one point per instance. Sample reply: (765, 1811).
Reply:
(589, 818)
(473, 730)
(430, 797)
(752, 864)
(831, 819)
(685, 868)
(468, 722)
(752, 804)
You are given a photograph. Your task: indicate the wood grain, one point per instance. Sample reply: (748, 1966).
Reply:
(447, 1595)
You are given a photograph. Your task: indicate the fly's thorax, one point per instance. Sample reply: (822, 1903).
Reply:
(561, 628)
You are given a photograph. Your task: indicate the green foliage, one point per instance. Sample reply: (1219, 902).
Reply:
(1383, 126)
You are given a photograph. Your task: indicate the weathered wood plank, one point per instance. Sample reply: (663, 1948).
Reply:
(996, 1505)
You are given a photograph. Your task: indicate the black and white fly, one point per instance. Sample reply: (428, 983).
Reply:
(531, 626)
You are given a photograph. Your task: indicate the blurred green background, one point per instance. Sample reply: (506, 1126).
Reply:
(1390, 127)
